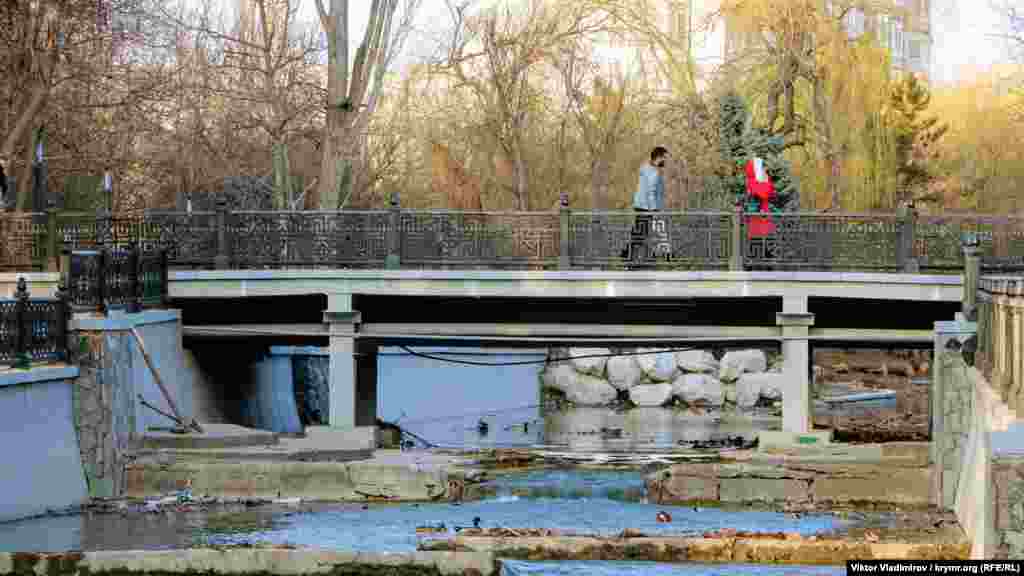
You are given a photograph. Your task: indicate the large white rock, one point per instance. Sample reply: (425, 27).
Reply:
(657, 365)
(651, 394)
(593, 365)
(751, 387)
(624, 372)
(696, 361)
(738, 362)
(580, 389)
(699, 389)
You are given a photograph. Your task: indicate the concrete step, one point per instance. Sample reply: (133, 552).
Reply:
(214, 436)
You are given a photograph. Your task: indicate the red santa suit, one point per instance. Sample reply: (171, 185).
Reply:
(760, 186)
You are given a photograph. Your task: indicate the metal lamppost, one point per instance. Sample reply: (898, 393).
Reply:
(108, 191)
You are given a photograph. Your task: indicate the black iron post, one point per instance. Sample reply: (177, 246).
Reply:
(393, 260)
(223, 258)
(22, 330)
(736, 257)
(103, 261)
(133, 300)
(61, 321)
(564, 245)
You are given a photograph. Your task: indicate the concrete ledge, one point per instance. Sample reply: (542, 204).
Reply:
(804, 551)
(37, 374)
(214, 436)
(768, 439)
(249, 561)
(121, 321)
(264, 478)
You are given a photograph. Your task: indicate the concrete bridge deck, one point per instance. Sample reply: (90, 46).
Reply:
(565, 284)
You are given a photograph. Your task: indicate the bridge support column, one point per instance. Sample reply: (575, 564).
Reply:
(352, 368)
(796, 354)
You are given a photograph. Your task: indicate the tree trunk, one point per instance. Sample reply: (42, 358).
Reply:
(519, 191)
(600, 182)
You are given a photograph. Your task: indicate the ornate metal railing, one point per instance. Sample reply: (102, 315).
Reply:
(562, 239)
(128, 279)
(33, 329)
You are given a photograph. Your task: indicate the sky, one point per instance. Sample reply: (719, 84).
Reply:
(963, 33)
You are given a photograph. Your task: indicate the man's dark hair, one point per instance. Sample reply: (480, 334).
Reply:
(658, 152)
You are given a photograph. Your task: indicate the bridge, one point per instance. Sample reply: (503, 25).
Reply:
(356, 281)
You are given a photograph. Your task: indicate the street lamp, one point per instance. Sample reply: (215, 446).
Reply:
(108, 190)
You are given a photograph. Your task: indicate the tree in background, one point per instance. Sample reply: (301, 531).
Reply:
(916, 138)
(739, 141)
(353, 90)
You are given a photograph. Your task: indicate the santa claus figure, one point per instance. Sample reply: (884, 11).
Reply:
(761, 191)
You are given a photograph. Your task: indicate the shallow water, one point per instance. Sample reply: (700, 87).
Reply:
(583, 502)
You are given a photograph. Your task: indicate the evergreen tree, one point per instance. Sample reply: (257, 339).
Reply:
(915, 137)
(739, 141)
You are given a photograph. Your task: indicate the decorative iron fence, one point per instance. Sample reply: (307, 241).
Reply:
(33, 329)
(128, 279)
(562, 239)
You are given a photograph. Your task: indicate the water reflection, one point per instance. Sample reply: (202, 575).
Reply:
(607, 429)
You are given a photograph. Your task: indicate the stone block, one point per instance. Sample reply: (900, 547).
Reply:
(764, 490)
(896, 486)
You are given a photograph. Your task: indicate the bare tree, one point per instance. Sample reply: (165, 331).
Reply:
(494, 53)
(600, 114)
(352, 94)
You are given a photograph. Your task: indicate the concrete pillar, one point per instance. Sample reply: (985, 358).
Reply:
(942, 432)
(972, 272)
(352, 368)
(796, 355)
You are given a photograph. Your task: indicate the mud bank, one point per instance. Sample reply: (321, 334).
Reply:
(242, 561)
(772, 549)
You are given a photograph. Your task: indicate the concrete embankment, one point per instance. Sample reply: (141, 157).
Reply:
(895, 474)
(242, 561)
(388, 475)
(724, 550)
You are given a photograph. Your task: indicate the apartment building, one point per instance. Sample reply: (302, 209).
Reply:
(943, 41)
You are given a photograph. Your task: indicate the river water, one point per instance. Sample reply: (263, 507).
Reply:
(591, 502)
(444, 403)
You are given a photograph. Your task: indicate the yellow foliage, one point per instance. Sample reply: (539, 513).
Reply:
(982, 154)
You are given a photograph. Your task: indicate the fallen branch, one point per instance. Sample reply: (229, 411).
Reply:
(160, 383)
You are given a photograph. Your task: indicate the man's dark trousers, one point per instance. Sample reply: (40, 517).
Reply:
(639, 235)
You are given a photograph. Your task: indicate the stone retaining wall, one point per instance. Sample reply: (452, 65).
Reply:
(107, 414)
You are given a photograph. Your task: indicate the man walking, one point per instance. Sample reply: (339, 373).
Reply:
(648, 199)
